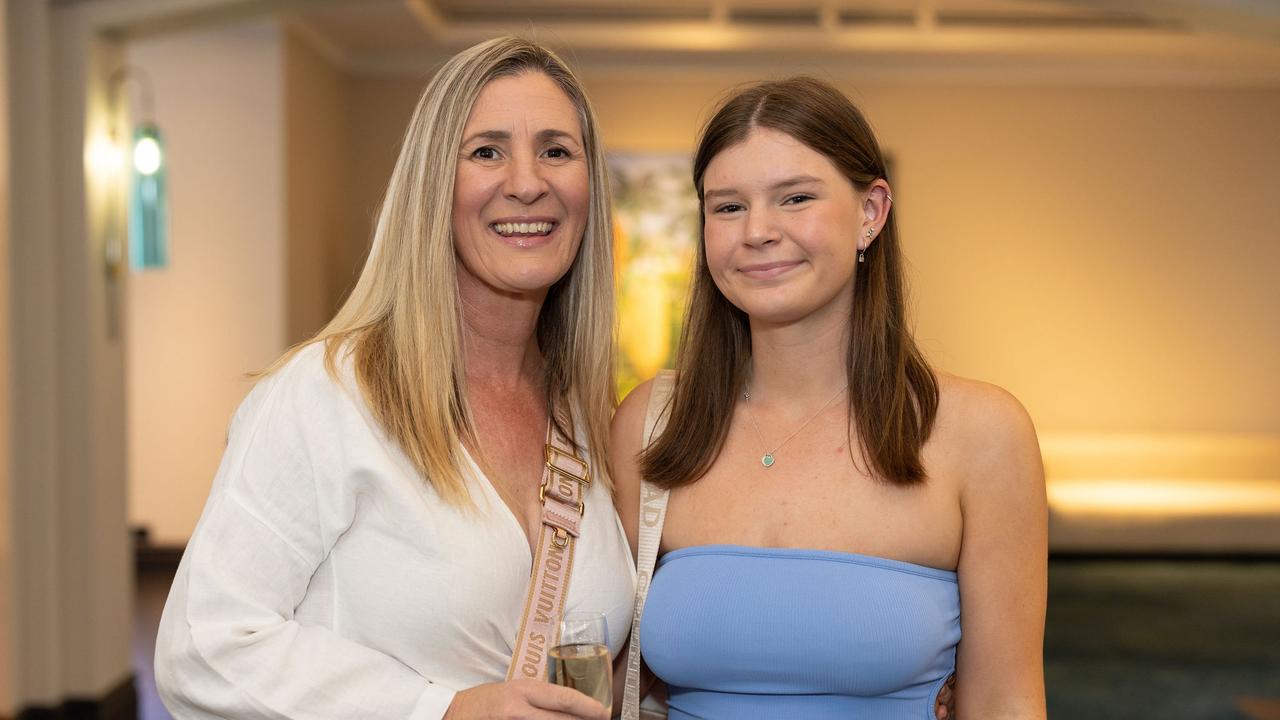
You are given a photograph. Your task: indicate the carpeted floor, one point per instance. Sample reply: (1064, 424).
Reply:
(1168, 639)
(1124, 639)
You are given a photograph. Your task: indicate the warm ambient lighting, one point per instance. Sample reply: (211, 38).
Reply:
(105, 158)
(1152, 497)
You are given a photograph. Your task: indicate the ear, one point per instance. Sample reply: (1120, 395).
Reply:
(876, 203)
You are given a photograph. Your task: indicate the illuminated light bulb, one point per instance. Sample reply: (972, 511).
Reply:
(147, 157)
(105, 157)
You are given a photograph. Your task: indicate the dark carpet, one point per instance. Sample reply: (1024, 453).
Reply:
(1168, 639)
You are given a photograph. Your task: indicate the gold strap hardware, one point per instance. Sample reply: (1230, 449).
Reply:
(554, 453)
(542, 497)
(553, 560)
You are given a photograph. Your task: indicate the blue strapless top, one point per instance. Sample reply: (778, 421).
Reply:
(745, 632)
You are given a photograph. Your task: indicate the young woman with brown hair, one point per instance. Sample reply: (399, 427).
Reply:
(849, 533)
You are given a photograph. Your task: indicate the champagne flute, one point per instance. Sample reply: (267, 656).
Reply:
(581, 660)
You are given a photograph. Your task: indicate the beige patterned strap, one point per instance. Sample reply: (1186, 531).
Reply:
(564, 479)
(653, 511)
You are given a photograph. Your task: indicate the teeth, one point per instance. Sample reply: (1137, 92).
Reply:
(524, 228)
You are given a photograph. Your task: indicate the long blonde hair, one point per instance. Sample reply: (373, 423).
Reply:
(401, 324)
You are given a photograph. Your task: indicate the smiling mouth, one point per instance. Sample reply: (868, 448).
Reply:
(768, 270)
(523, 229)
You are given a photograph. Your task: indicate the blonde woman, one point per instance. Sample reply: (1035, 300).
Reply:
(367, 544)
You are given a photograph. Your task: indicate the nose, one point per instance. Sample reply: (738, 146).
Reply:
(761, 230)
(524, 182)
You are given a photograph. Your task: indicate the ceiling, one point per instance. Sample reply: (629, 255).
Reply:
(1209, 41)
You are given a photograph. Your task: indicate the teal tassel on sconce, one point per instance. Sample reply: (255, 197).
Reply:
(148, 201)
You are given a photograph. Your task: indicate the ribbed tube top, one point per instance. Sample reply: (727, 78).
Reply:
(745, 632)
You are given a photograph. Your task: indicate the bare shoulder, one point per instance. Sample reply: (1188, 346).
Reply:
(1002, 568)
(627, 442)
(979, 414)
(987, 430)
(628, 422)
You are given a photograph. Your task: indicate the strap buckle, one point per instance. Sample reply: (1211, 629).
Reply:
(555, 455)
(542, 498)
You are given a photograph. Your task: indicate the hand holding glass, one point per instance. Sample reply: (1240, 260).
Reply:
(581, 660)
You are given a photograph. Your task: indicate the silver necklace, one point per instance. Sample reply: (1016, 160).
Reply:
(769, 458)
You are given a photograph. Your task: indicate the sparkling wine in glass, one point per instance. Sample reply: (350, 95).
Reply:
(581, 660)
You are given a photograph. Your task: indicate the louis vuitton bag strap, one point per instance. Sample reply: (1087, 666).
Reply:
(565, 478)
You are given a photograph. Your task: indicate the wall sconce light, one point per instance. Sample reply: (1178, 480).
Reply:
(148, 218)
(148, 203)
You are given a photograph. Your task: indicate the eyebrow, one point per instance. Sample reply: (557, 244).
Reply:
(503, 135)
(780, 185)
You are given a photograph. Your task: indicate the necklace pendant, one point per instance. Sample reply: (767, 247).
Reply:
(767, 460)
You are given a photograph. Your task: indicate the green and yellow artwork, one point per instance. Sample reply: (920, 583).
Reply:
(655, 236)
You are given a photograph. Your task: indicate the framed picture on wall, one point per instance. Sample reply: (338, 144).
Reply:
(655, 236)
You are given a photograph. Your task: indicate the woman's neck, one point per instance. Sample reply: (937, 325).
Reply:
(499, 335)
(799, 363)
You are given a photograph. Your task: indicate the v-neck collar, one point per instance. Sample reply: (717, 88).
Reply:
(493, 496)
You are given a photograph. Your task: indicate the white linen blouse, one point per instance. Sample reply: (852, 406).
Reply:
(326, 579)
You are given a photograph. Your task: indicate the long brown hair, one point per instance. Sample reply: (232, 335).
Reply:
(401, 326)
(893, 394)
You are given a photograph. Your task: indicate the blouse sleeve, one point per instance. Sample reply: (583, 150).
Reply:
(229, 645)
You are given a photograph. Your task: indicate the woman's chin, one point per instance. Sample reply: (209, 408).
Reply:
(785, 312)
(531, 284)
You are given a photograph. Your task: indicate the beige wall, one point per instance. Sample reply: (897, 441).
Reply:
(6, 526)
(377, 116)
(315, 148)
(71, 592)
(256, 124)
(219, 310)
(1107, 254)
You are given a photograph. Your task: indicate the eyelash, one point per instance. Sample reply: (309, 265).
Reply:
(734, 207)
(565, 154)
